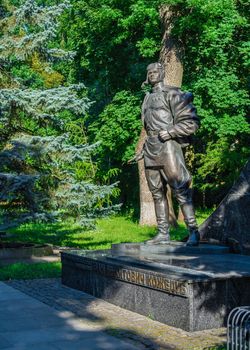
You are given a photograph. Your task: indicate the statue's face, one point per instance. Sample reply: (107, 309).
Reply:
(154, 76)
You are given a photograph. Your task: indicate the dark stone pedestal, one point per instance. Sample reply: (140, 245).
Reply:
(188, 288)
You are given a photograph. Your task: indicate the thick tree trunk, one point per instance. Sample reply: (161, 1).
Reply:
(171, 52)
(147, 211)
(170, 57)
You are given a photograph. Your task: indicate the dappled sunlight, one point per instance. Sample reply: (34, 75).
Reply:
(116, 229)
(76, 323)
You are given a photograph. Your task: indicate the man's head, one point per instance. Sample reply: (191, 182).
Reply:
(155, 73)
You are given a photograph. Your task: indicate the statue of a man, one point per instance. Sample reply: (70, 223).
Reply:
(169, 119)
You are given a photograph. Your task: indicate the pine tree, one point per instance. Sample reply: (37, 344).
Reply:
(42, 166)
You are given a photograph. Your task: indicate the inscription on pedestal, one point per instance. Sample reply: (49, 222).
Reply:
(140, 278)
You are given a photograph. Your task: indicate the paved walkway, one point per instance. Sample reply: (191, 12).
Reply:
(26, 323)
(44, 314)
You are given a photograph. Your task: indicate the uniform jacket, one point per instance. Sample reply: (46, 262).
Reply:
(167, 108)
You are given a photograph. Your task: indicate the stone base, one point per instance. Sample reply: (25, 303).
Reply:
(189, 291)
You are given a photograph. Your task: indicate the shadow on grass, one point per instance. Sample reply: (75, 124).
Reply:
(76, 237)
(111, 230)
(54, 234)
(118, 229)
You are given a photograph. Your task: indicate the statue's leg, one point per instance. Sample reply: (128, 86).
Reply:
(157, 187)
(184, 197)
(179, 179)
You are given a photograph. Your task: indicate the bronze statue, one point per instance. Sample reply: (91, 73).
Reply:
(169, 119)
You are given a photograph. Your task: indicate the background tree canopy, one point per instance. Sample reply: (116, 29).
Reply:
(113, 41)
(45, 163)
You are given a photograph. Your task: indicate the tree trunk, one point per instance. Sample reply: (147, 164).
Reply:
(147, 210)
(171, 52)
(170, 57)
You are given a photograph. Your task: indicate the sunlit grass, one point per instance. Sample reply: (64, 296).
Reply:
(115, 229)
(108, 231)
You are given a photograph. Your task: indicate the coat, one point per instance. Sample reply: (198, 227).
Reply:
(167, 108)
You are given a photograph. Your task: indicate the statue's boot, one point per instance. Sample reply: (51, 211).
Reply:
(161, 211)
(190, 220)
(160, 238)
(194, 238)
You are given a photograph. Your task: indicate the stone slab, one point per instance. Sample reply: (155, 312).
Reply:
(192, 292)
(31, 260)
(171, 248)
(25, 250)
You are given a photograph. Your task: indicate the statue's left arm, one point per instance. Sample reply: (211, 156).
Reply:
(185, 119)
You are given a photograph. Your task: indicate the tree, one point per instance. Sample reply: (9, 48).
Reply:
(45, 173)
(214, 35)
(117, 131)
(115, 40)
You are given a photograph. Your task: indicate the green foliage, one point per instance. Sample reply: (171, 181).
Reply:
(27, 76)
(214, 34)
(49, 187)
(110, 37)
(30, 29)
(114, 40)
(220, 164)
(109, 230)
(117, 39)
(118, 127)
(219, 347)
(46, 167)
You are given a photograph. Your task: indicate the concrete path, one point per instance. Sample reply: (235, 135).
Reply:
(65, 318)
(27, 324)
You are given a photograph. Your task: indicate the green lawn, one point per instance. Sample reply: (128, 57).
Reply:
(116, 229)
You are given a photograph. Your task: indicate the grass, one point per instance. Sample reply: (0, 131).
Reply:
(108, 231)
(30, 271)
(115, 229)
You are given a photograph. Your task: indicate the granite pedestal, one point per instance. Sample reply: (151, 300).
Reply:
(193, 288)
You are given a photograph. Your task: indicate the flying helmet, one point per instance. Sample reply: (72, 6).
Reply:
(156, 65)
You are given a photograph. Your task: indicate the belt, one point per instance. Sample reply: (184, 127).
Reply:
(153, 132)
